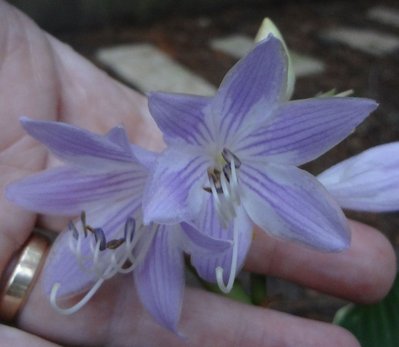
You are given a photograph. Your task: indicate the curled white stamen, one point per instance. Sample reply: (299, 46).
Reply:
(234, 183)
(96, 253)
(226, 288)
(75, 247)
(223, 215)
(228, 202)
(225, 189)
(79, 305)
(119, 256)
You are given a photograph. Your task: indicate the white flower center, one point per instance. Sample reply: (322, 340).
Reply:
(223, 184)
(224, 187)
(105, 258)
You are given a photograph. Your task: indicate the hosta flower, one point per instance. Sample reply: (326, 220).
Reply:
(103, 180)
(268, 27)
(233, 158)
(368, 181)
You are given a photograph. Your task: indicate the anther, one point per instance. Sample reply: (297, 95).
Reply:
(229, 156)
(75, 232)
(114, 244)
(99, 236)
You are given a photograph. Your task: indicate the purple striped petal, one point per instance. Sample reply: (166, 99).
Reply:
(174, 193)
(252, 89)
(305, 129)
(79, 146)
(206, 264)
(368, 181)
(145, 157)
(180, 117)
(160, 279)
(69, 190)
(290, 203)
(194, 241)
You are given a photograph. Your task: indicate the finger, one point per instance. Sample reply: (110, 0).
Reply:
(27, 87)
(92, 100)
(115, 318)
(17, 338)
(363, 273)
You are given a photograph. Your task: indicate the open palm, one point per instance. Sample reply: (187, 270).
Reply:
(44, 79)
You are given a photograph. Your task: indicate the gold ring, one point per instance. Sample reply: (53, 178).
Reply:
(23, 275)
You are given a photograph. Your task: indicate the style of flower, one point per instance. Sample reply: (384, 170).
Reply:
(102, 180)
(233, 158)
(368, 181)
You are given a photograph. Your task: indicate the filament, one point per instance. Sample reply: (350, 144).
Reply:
(226, 288)
(77, 306)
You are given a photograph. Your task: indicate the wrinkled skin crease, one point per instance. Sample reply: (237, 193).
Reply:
(44, 79)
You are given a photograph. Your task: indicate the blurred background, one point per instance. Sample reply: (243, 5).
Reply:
(187, 46)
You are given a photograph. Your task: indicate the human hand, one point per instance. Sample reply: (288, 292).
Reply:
(44, 79)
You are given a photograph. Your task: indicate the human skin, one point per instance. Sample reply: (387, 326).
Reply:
(45, 79)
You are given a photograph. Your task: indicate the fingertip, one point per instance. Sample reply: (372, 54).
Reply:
(345, 338)
(379, 266)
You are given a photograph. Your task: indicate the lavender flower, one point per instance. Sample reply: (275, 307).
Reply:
(368, 181)
(233, 158)
(104, 176)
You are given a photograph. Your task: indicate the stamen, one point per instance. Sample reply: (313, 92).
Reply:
(103, 258)
(77, 306)
(227, 198)
(83, 221)
(218, 204)
(114, 244)
(99, 236)
(130, 228)
(224, 187)
(234, 181)
(72, 228)
(230, 157)
(233, 268)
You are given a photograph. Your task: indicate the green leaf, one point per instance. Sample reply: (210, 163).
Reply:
(374, 325)
(258, 285)
(237, 293)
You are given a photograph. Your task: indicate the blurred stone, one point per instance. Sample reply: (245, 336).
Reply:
(368, 41)
(305, 65)
(149, 69)
(384, 15)
(235, 45)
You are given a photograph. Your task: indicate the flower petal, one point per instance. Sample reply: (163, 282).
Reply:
(160, 279)
(252, 89)
(180, 117)
(194, 241)
(145, 157)
(268, 27)
(368, 181)
(69, 190)
(206, 264)
(292, 204)
(79, 146)
(62, 267)
(174, 192)
(302, 130)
